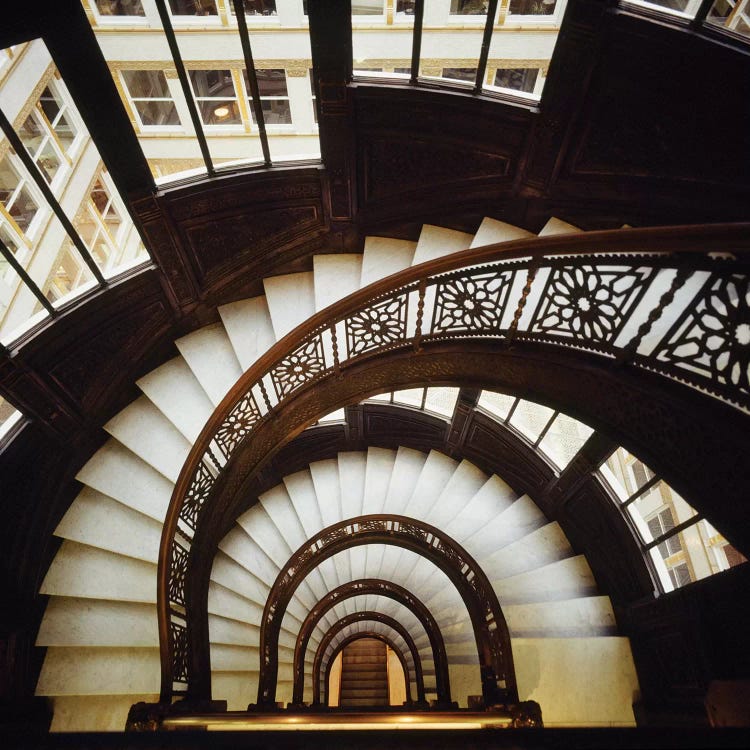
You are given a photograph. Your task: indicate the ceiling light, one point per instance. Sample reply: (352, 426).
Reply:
(221, 112)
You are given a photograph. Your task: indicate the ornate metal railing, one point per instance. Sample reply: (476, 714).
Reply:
(672, 301)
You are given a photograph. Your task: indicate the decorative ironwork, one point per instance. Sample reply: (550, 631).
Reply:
(590, 302)
(475, 303)
(387, 589)
(300, 367)
(179, 636)
(178, 575)
(590, 295)
(238, 424)
(366, 616)
(490, 630)
(377, 326)
(712, 336)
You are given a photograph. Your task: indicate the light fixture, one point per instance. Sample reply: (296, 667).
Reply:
(221, 112)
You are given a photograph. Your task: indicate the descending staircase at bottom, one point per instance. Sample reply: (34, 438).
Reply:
(364, 674)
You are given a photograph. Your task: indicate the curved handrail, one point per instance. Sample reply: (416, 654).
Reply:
(468, 294)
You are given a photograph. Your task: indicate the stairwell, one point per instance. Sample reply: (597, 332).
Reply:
(364, 674)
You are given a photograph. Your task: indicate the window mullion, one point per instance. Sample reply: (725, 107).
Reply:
(672, 532)
(641, 491)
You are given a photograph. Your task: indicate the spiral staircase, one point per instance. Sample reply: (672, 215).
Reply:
(100, 626)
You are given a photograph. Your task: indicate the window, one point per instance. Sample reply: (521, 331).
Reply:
(407, 7)
(150, 97)
(518, 79)
(216, 97)
(367, 7)
(58, 117)
(193, 7)
(99, 225)
(680, 545)
(274, 96)
(469, 7)
(119, 7)
(461, 74)
(731, 14)
(257, 7)
(19, 206)
(532, 7)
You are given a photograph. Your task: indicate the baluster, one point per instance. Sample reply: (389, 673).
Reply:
(420, 316)
(264, 393)
(335, 352)
(533, 268)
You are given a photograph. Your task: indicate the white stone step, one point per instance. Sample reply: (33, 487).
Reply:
(336, 276)
(149, 434)
(82, 571)
(404, 477)
(435, 242)
(70, 621)
(493, 497)
(463, 484)
(435, 475)
(94, 713)
(379, 466)
(209, 354)
(325, 476)
(258, 525)
(99, 521)
(176, 392)
(384, 256)
(302, 494)
(290, 299)
(513, 523)
(491, 231)
(227, 604)
(585, 616)
(545, 545)
(557, 226)
(244, 550)
(563, 579)
(117, 472)
(248, 325)
(99, 671)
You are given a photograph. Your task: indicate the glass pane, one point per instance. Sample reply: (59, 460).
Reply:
(530, 418)
(214, 83)
(65, 131)
(334, 416)
(157, 112)
(18, 305)
(564, 439)
(468, 75)
(497, 404)
(409, 397)
(733, 15)
(367, 7)
(532, 7)
(10, 239)
(48, 162)
(441, 400)
(257, 7)
(407, 7)
(146, 84)
(469, 7)
(31, 135)
(49, 104)
(193, 7)
(271, 81)
(119, 7)
(625, 473)
(69, 277)
(220, 112)
(518, 79)
(276, 111)
(380, 397)
(8, 416)
(657, 511)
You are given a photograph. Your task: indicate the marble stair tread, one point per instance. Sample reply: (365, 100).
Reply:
(517, 520)
(149, 434)
(178, 394)
(244, 550)
(563, 579)
(249, 328)
(463, 484)
(384, 256)
(325, 477)
(94, 713)
(491, 231)
(210, 355)
(117, 472)
(258, 525)
(70, 621)
(82, 571)
(97, 520)
(435, 242)
(491, 499)
(591, 615)
(352, 471)
(378, 469)
(336, 277)
(290, 299)
(537, 548)
(406, 470)
(99, 671)
(557, 226)
(435, 474)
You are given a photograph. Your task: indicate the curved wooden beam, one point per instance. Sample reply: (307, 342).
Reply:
(382, 588)
(490, 629)
(367, 616)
